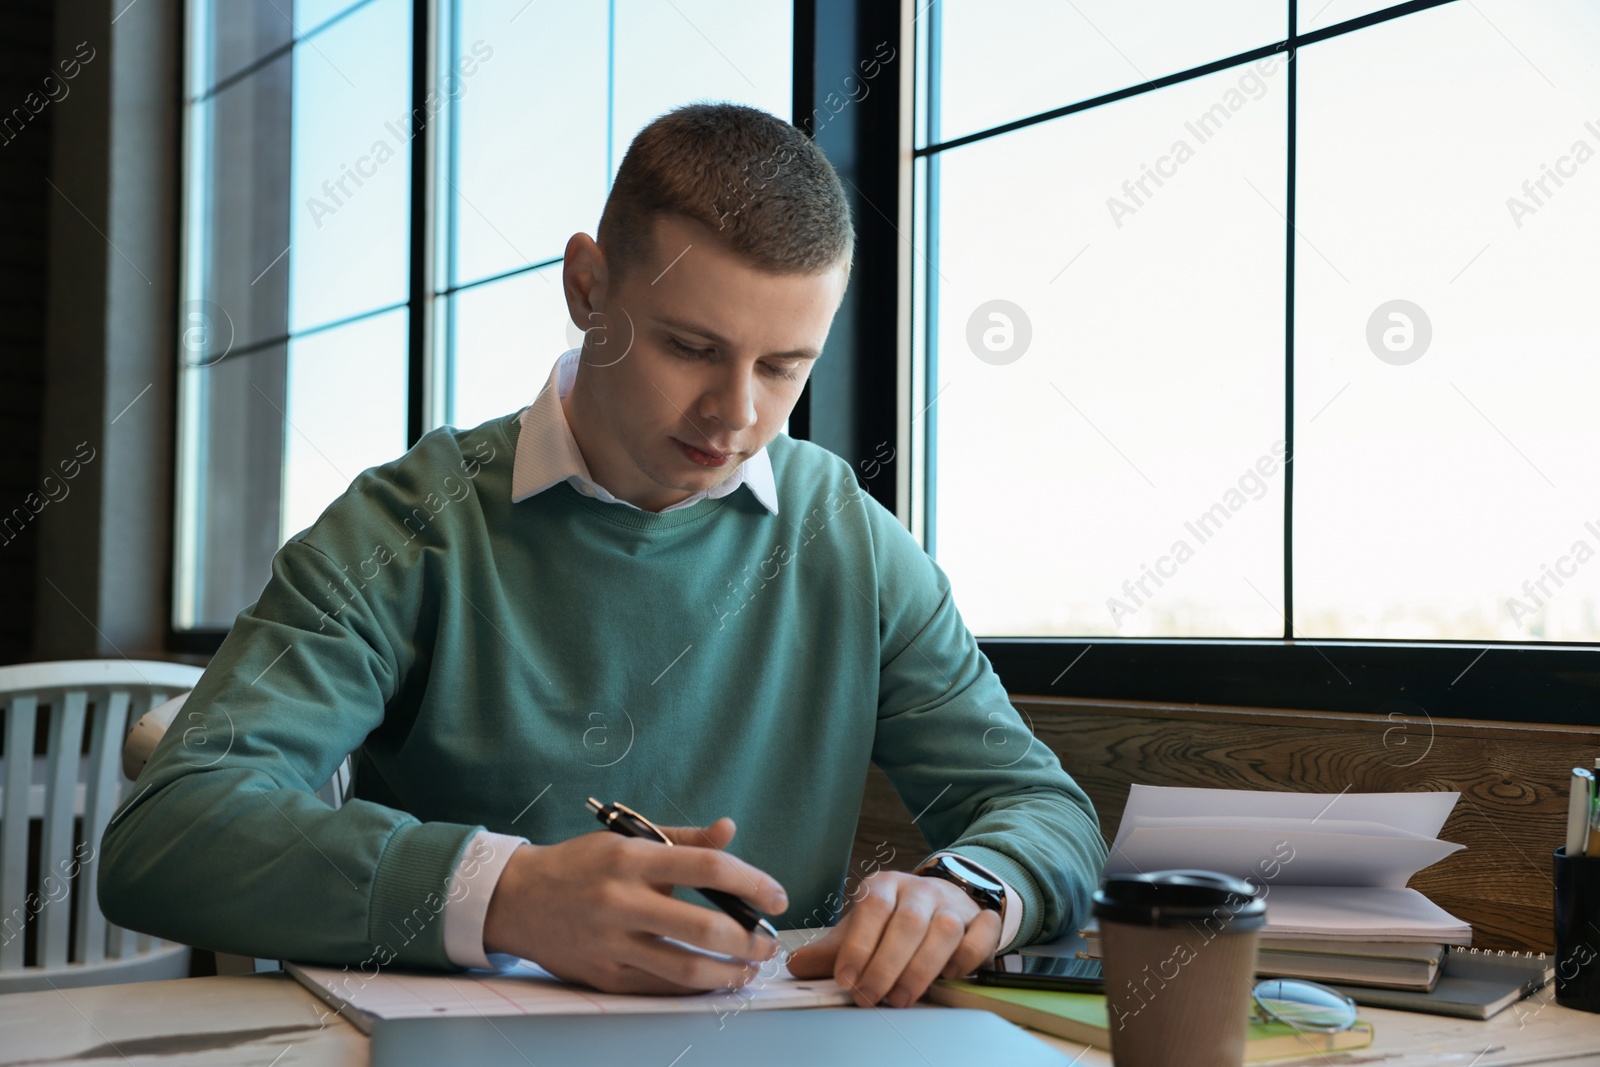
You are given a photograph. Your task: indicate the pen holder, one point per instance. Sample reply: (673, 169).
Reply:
(1577, 931)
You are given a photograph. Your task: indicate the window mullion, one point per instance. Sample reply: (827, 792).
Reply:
(1292, 117)
(424, 50)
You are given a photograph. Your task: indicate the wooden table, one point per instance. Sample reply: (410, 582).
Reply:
(269, 1020)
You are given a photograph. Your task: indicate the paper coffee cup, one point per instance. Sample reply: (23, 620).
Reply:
(1180, 961)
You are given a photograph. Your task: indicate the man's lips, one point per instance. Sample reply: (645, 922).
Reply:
(701, 456)
(707, 448)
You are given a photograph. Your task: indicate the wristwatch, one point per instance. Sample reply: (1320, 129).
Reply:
(985, 889)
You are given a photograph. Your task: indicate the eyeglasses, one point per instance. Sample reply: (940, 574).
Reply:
(1303, 1005)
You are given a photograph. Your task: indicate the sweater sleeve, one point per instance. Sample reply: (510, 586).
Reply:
(222, 842)
(960, 756)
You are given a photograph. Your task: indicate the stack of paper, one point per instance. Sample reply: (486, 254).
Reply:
(525, 988)
(1332, 866)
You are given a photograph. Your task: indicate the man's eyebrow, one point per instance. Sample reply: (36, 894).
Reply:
(716, 338)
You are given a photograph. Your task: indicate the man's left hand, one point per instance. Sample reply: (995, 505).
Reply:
(902, 932)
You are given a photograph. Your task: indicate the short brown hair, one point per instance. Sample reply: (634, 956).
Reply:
(768, 191)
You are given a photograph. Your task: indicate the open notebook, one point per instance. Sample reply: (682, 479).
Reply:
(528, 989)
(1333, 866)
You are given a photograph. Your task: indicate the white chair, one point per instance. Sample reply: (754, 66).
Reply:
(66, 783)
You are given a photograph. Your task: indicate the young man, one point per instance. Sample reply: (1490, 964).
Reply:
(635, 589)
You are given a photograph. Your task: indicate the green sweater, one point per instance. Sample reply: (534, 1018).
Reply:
(491, 665)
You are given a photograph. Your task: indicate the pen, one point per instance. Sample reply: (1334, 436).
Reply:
(1580, 811)
(619, 818)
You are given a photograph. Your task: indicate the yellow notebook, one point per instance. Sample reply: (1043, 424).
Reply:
(1082, 1017)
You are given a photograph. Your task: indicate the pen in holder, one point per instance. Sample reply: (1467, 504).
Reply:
(1577, 931)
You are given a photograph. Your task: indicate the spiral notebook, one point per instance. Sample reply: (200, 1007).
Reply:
(1472, 984)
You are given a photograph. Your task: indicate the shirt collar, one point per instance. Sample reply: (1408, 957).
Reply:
(548, 454)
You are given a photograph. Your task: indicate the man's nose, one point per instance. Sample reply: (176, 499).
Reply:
(732, 402)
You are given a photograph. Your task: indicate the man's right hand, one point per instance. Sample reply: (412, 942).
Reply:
(595, 909)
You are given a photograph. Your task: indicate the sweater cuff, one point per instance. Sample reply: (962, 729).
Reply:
(410, 888)
(471, 886)
(1020, 890)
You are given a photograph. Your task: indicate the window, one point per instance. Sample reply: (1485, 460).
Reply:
(1257, 325)
(1112, 390)
(1247, 359)
(374, 231)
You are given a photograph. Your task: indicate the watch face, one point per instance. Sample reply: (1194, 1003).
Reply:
(972, 874)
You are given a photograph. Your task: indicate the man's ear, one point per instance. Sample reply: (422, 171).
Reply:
(584, 278)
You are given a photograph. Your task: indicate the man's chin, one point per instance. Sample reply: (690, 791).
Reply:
(695, 479)
(710, 477)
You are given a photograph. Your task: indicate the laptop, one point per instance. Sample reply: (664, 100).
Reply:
(836, 1037)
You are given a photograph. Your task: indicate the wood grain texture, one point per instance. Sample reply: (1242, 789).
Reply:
(1512, 779)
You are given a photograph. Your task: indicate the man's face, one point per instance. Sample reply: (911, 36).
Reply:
(690, 364)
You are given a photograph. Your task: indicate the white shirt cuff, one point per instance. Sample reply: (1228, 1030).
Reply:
(467, 903)
(1012, 920)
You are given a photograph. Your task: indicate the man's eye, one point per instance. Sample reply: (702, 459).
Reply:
(685, 350)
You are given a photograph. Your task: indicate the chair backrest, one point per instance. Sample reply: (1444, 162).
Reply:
(69, 792)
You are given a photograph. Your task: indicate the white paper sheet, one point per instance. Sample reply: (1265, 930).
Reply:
(1361, 914)
(1330, 839)
(1333, 865)
(525, 988)
(1418, 813)
(1298, 856)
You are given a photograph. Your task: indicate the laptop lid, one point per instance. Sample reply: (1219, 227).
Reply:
(837, 1037)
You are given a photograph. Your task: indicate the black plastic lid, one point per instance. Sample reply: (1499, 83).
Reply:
(1174, 898)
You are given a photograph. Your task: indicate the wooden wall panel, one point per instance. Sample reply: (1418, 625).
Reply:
(1512, 779)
